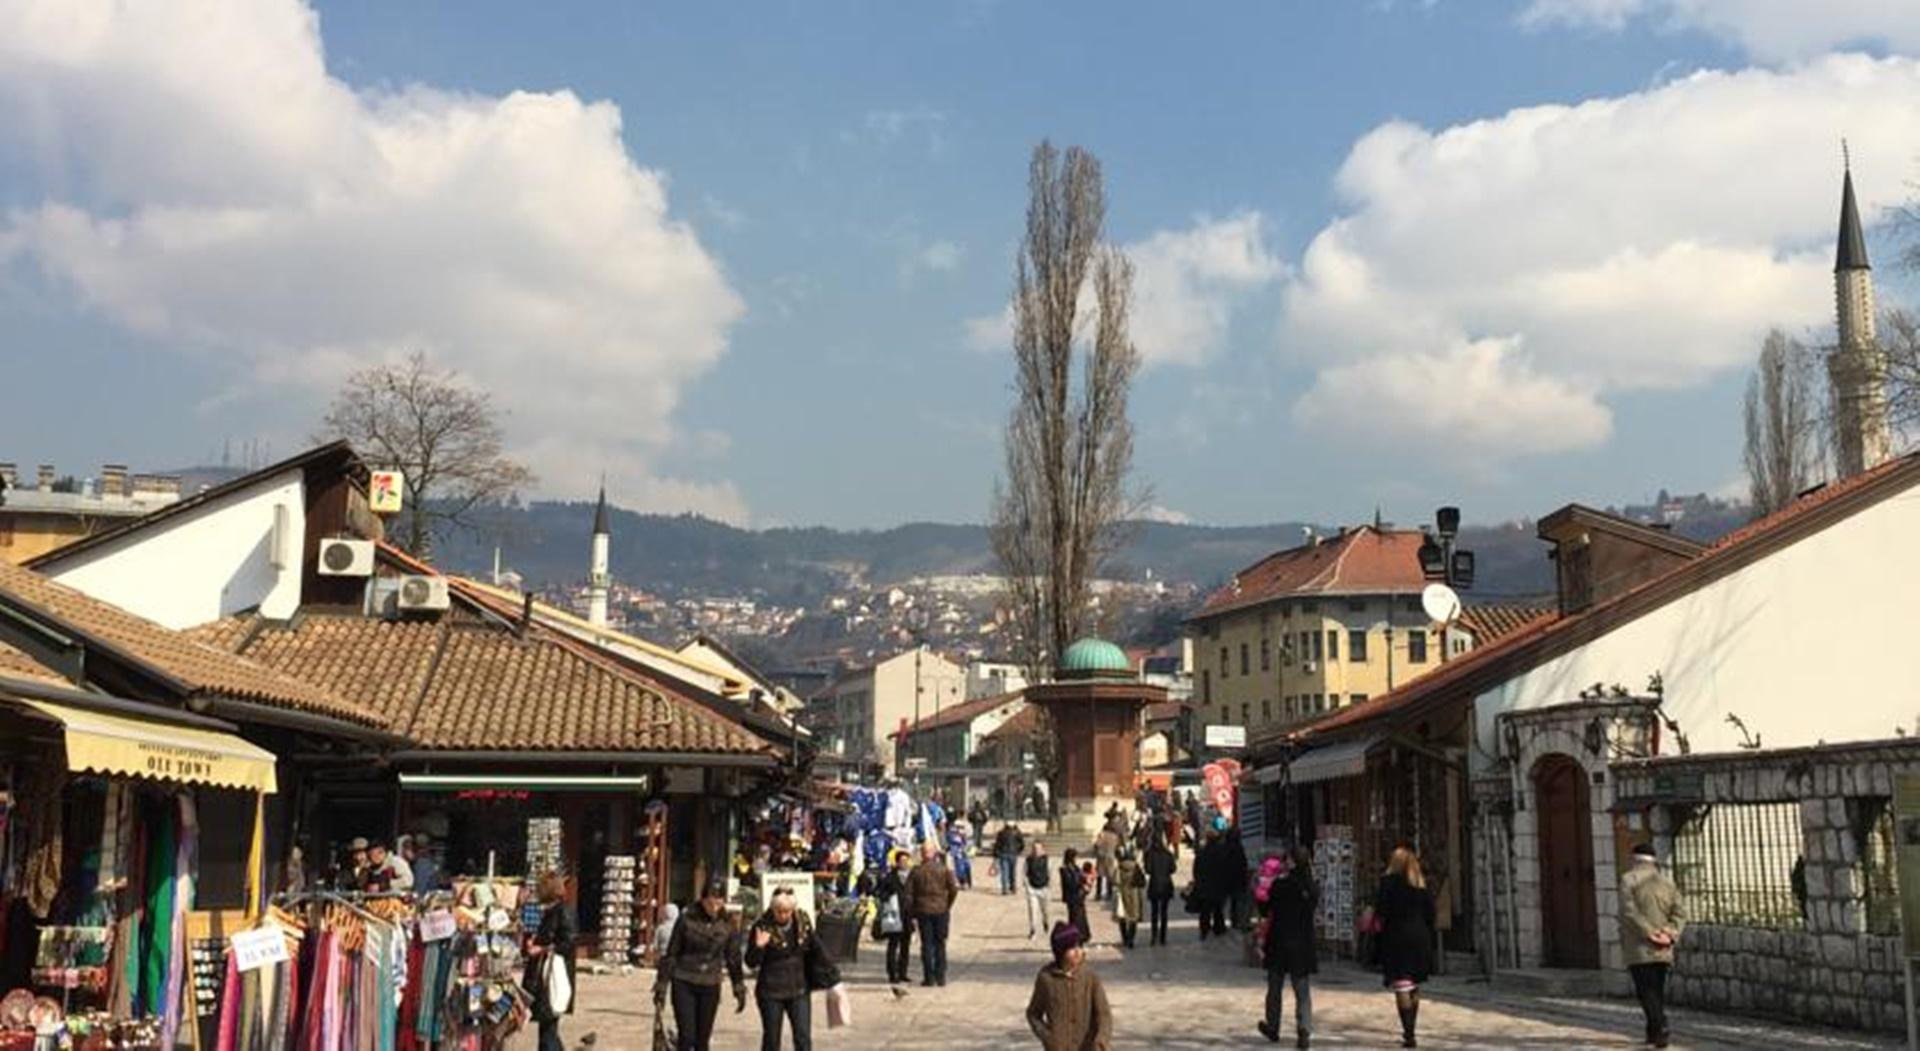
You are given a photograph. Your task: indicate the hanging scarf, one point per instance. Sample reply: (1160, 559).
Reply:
(157, 933)
(185, 854)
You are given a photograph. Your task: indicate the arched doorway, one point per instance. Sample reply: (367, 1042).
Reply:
(1569, 921)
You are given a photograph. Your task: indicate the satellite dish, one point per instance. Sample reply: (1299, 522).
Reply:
(1441, 604)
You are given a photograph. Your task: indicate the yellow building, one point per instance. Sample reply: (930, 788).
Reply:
(49, 513)
(1314, 628)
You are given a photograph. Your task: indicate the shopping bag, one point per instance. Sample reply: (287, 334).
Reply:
(559, 984)
(891, 922)
(662, 1038)
(839, 1007)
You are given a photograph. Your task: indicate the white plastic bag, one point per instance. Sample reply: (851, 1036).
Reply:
(839, 1007)
(891, 921)
(559, 984)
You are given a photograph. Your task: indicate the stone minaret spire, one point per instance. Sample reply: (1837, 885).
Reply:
(598, 579)
(1857, 369)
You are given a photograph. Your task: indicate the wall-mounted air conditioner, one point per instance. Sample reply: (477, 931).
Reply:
(422, 593)
(346, 558)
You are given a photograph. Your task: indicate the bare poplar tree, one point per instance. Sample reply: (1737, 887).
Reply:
(1900, 341)
(444, 435)
(1783, 424)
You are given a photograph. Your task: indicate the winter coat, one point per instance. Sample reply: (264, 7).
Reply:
(1073, 884)
(1069, 1012)
(1104, 847)
(1160, 870)
(1130, 883)
(1039, 875)
(555, 934)
(702, 950)
(1009, 843)
(931, 888)
(781, 963)
(1289, 909)
(1406, 939)
(1648, 902)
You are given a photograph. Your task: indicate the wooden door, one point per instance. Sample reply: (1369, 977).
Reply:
(1569, 916)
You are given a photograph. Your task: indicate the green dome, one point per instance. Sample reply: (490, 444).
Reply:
(1094, 657)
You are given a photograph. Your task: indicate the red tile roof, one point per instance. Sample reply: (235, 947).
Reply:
(1364, 560)
(191, 666)
(1495, 621)
(964, 712)
(1548, 636)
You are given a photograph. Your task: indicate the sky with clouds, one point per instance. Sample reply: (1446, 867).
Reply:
(752, 261)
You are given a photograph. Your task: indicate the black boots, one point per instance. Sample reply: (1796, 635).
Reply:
(1272, 1034)
(1409, 1016)
(1301, 1039)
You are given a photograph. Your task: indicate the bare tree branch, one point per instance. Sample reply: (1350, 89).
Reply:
(1782, 418)
(442, 434)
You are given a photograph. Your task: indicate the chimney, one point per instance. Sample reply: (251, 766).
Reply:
(155, 488)
(7, 472)
(113, 481)
(46, 478)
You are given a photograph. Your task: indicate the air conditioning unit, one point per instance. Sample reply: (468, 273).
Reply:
(422, 592)
(346, 558)
(1309, 667)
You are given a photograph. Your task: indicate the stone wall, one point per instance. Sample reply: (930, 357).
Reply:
(1835, 971)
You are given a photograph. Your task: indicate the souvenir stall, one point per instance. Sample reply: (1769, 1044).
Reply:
(130, 847)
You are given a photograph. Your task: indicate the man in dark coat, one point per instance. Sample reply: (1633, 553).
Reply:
(1289, 948)
(1212, 883)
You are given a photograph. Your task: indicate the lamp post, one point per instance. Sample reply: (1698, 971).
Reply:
(1443, 563)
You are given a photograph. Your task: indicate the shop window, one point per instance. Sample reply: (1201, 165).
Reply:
(1735, 864)
(226, 832)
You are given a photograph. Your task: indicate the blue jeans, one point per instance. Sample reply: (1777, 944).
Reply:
(798, 1013)
(933, 947)
(1277, 982)
(1009, 864)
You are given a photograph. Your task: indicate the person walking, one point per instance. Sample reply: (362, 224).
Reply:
(1403, 915)
(1212, 884)
(1039, 877)
(1651, 918)
(552, 941)
(1234, 876)
(1068, 1010)
(701, 951)
(1105, 844)
(778, 949)
(1129, 898)
(1073, 893)
(931, 889)
(1160, 866)
(1289, 950)
(895, 921)
(1008, 845)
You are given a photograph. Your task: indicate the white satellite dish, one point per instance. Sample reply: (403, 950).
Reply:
(1441, 604)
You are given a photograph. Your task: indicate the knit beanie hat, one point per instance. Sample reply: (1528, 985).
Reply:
(1065, 937)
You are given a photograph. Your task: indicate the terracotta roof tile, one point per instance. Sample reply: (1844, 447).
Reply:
(1495, 621)
(965, 711)
(1363, 561)
(17, 665)
(462, 683)
(200, 668)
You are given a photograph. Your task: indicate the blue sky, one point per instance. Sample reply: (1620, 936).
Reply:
(1393, 254)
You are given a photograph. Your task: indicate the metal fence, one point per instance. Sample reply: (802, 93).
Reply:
(1739, 865)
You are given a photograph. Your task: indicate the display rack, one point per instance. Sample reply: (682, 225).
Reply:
(1333, 871)
(650, 878)
(618, 904)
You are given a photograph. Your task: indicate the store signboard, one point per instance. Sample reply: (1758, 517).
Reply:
(800, 882)
(436, 926)
(385, 492)
(1226, 736)
(1906, 839)
(259, 947)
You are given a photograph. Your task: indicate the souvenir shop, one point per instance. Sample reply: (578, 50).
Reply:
(130, 847)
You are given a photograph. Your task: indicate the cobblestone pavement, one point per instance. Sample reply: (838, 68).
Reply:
(1185, 995)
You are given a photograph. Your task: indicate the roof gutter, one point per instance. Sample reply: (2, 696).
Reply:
(696, 759)
(289, 719)
(105, 705)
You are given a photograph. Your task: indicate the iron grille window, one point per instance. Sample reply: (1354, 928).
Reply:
(1879, 885)
(1735, 863)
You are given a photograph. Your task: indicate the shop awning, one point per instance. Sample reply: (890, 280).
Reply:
(1346, 759)
(117, 744)
(525, 782)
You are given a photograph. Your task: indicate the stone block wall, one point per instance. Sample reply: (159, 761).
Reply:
(1836, 971)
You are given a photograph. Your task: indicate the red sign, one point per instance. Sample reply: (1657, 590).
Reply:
(1219, 784)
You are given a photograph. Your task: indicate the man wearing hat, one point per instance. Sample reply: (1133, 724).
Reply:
(1650, 922)
(353, 875)
(1068, 1011)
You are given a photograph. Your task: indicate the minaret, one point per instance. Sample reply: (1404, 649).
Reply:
(597, 579)
(1857, 369)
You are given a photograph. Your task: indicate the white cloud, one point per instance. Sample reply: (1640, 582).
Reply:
(942, 256)
(210, 184)
(1164, 515)
(1187, 285)
(887, 126)
(1490, 284)
(1770, 30)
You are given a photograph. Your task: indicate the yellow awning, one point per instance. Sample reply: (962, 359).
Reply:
(117, 744)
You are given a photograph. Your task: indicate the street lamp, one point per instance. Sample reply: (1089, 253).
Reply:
(1442, 563)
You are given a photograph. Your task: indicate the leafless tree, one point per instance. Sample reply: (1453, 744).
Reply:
(444, 435)
(1060, 511)
(1900, 341)
(1783, 424)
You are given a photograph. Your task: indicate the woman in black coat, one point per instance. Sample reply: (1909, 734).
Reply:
(1290, 953)
(1403, 911)
(553, 940)
(1073, 893)
(1160, 868)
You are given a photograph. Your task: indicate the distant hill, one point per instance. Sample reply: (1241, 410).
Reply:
(674, 555)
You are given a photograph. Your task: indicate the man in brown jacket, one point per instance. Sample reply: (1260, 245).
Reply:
(1069, 1010)
(930, 893)
(1650, 921)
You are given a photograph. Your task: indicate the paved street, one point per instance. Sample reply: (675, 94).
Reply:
(1187, 995)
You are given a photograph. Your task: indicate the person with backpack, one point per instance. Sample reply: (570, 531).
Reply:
(1039, 878)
